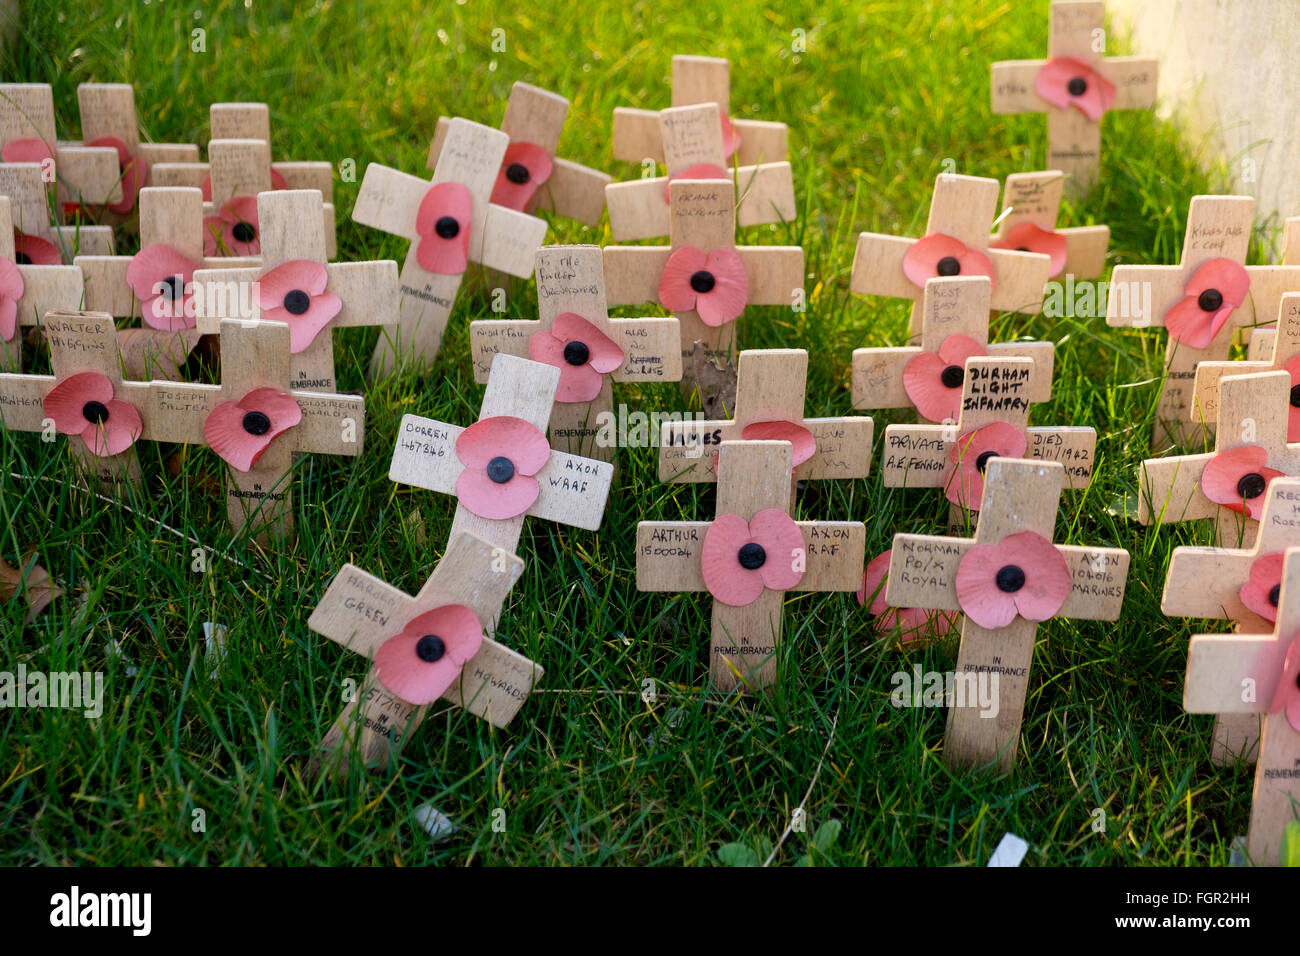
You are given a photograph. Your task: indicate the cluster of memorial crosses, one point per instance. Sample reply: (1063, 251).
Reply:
(236, 255)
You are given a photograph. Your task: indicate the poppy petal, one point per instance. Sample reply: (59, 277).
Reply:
(412, 678)
(1224, 473)
(1052, 83)
(155, 264)
(37, 251)
(435, 253)
(1027, 237)
(26, 151)
(302, 275)
(1047, 575)
(783, 544)
(64, 402)
(965, 485)
(924, 385)
(8, 318)
(135, 171)
(226, 435)
(804, 442)
(488, 499)
(1257, 592)
(873, 583)
(675, 292)
(605, 355)
(116, 433)
(698, 171)
(921, 261)
(538, 165)
(731, 138)
(1293, 412)
(720, 566)
(507, 436)
(1286, 699)
(1191, 325)
(726, 300)
(978, 594)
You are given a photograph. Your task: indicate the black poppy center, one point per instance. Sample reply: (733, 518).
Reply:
(517, 173)
(501, 469)
(95, 412)
(1010, 578)
(1251, 485)
(447, 227)
(982, 461)
(1210, 300)
(953, 376)
(173, 289)
(22, 258)
(256, 423)
(576, 353)
(244, 232)
(1295, 396)
(1077, 86)
(296, 302)
(1022, 249)
(430, 648)
(751, 556)
(703, 281)
(948, 266)
(1274, 593)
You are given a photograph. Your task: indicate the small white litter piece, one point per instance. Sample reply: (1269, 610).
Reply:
(1010, 851)
(436, 823)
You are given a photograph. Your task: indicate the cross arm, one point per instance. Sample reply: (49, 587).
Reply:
(878, 267)
(1221, 668)
(105, 284)
(509, 241)
(636, 135)
(360, 611)
(1013, 87)
(651, 346)
(638, 209)
(1205, 407)
(49, 289)
(1199, 583)
(761, 141)
(878, 372)
(1134, 79)
(574, 191)
(389, 200)
(91, 172)
(22, 400)
(187, 175)
(1139, 296)
(332, 424)
(843, 448)
(1169, 490)
(154, 153)
(1097, 577)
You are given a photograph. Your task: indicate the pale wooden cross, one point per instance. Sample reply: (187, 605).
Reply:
(361, 612)
(536, 116)
(1033, 201)
(950, 306)
(1019, 496)
(1076, 32)
(499, 238)
(255, 355)
(79, 342)
(1218, 227)
(1283, 347)
(1261, 340)
(45, 288)
(692, 138)
(962, 208)
(754, 476)
(25, 185)
(292, 230)
(571, 280)
(1247, 674)
(704, 218)
(1207, 582)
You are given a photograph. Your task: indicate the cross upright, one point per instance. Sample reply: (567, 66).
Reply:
(28, 291)
(533, 177)
(1237, 584)
(693, 149)
(592, 351)
(747, 558)
(1075, 86)
(297, 285)
(1259, 674)
(956, 242)
(1032, 205)
(1005, 580)
(256, 423)
(387, 626)
(701, 274)
(40, 239)
(451, 222)
(1203, 302)
(954, 326)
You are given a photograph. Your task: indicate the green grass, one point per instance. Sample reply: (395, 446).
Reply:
(588, 772)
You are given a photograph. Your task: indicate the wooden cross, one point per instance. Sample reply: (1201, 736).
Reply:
(535, 116)
(1252, 414)
(638, 135)
(255, 356)
(1032, 202)
(571, 281)
(704, 218)
(962, 208)
(692, 139)
(572, 490)
(1261, 340)
(362, 612)
(79, 342)
(1283, 348)
(44, 288)
(1208, 582)
(1019, 496)
(499, 238)
(1257, 674)
(995, 389)
(771, 391)
(1218, 227)
(1075, 47)
(292, 230)
(958, 306)
(754, 477)
(25, 185)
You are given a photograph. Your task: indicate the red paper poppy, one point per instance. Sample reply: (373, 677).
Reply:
(501, 455)
(740, 558)
(1026, 237)
(526, 167)
(294, 293)
(714, 285)
(26, 151)
(239, 432)
(1064, 81)
(804, 442)
(698, 171)
(83, 405)
(971, 452)
(11, 290)
(934, 382)
(1022, 574)
(1238, 478)
(941, 255)
(35, 251)
(912, 623)
(1214, 290)
(1286, 699)
(135, 171)
(1293, 408)
(277, 182)
(730, 138)
(1262, 591)
(420, 663)
(162, 278)
(583, 354)
(442, 224)
(234, 230)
